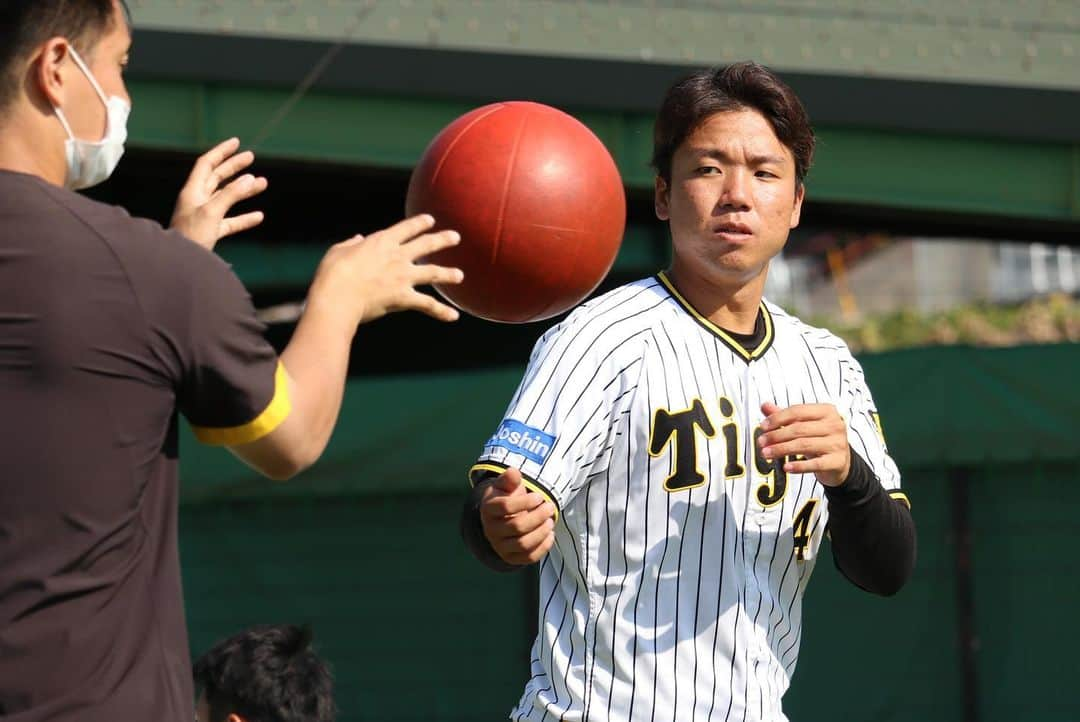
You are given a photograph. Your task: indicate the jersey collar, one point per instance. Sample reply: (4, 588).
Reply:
(720, 333)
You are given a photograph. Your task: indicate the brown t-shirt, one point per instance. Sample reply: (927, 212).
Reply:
(109, 325)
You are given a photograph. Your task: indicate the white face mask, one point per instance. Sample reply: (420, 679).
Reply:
(91, 162)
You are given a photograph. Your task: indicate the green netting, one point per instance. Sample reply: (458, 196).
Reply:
(865, 658)
(1025, 529)
(413, 628)
(418, 631)
(972, 406)
(419, 434)
(395, 435)
(365, 547)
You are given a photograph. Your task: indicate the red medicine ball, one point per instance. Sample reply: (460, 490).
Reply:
(538, 202)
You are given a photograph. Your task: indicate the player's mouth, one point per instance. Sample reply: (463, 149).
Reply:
(733, 232)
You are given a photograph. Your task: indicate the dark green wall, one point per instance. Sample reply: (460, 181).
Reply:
(890, 660)
(413, 627)
(365, 547)
(417, 630)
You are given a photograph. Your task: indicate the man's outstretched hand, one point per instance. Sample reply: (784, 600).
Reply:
(204, 203)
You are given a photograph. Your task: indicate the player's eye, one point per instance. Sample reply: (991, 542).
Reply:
(708, 170)
(765, 174)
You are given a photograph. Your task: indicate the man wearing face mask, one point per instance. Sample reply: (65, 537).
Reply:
(110, 329)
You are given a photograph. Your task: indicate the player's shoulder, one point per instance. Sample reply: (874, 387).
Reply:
(620, 317)
(819, 340)
(628, 308)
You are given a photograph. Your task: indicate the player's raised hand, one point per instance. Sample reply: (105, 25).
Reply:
(204, 203)
(518, 523)
(367, 277)
(814, 431)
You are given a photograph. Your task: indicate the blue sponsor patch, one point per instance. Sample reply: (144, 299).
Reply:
(518, 438)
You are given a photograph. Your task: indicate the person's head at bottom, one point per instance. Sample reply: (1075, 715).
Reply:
(264, 674)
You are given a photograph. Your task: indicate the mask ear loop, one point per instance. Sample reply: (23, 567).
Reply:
(89, 76)
(63, 121)
(97, 89)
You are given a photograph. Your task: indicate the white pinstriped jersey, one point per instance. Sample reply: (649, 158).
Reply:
(674, 588)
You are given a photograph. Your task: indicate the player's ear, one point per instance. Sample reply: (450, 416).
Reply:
(662, 198)
(796, 211)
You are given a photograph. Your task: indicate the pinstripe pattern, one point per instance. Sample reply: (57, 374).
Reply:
(680, 605)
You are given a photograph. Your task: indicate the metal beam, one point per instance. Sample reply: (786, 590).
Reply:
(1002, 104)
(897, 169)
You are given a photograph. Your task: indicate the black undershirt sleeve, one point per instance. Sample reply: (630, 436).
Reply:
(873, 534)
(472, 531)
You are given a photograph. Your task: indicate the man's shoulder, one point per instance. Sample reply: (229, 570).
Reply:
(142, 245)
(157, 262)
(63, 205)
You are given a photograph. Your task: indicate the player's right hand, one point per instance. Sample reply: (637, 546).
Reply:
(367, 277)
(518, 523)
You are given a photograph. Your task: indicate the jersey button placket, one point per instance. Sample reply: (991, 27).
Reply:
(756, 516)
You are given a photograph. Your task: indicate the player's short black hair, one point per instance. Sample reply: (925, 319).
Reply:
(741, 86)
(266, 673)
(26, 24)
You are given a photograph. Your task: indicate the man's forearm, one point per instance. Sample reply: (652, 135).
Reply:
(873, 535)
(317, 362)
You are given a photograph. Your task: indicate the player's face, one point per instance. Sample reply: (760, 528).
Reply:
(107, 60)
(732, 199)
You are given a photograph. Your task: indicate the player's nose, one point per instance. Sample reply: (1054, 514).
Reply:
(734, 192)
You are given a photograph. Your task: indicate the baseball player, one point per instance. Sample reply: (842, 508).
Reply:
(679, 447)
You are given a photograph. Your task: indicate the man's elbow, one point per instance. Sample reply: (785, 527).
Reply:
(890, 586)
(896, 578)
(281, 470)
(904, 568)
(280, 462)
(291, 463)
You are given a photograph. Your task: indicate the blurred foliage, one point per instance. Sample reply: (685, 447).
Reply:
(1050, 319)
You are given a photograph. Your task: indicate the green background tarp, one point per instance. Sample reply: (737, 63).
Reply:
(365, 547)
(951, 405)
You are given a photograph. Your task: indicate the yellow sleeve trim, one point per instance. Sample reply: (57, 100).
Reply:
(271, 417)
(902, 498)
(531, 485)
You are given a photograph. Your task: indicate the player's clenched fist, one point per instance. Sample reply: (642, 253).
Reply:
(367, 277)
(814, 432)
(518, 523)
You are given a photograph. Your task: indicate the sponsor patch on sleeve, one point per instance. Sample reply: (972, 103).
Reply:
(518, 438)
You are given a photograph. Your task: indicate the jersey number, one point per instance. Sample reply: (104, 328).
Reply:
(801, 528)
